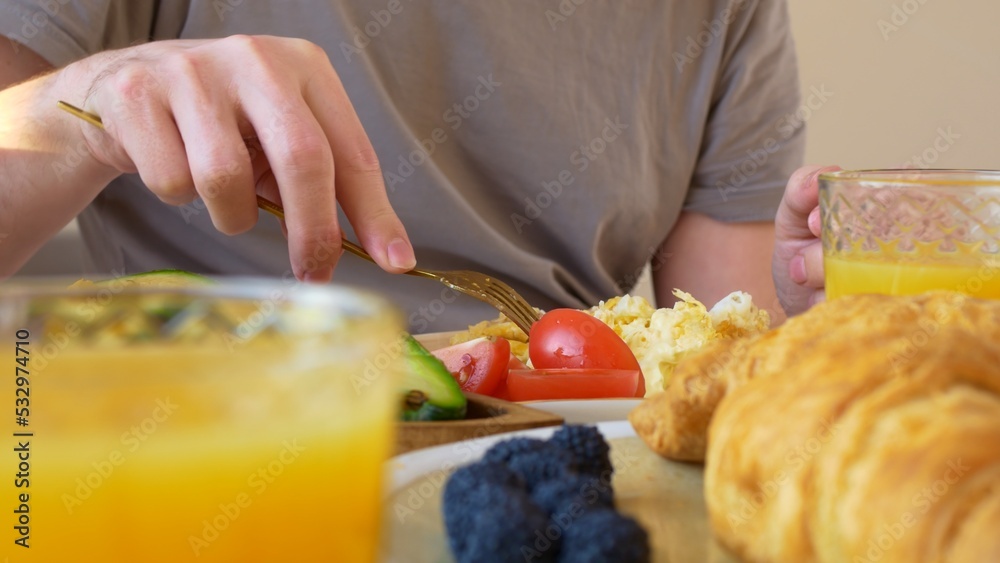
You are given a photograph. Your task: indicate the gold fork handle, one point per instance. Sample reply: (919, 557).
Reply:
(277, 211)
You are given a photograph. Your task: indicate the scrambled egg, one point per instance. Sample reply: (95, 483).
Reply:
(499, 326)
(659, 338)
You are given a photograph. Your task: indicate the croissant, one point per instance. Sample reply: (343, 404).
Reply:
(867, 429)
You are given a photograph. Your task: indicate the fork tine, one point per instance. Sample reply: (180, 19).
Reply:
(515, 305)
(516, 301)
(488, 289)
(510, 309)
(484, 292)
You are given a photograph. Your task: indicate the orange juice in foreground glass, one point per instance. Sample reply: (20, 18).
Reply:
(903, 232)
(228, 422)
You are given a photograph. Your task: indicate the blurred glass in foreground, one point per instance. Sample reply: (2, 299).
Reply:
(903, 232)
(240, 421)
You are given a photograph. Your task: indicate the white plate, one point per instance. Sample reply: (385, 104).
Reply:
(410, 467)
(664, 496)
(587, 411)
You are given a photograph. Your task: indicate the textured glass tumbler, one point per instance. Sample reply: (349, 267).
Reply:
(237, 421)
(903, 232)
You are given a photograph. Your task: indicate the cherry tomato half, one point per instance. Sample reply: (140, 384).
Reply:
(502, 392)
(567, 338)
(569, 383)
(479, 365)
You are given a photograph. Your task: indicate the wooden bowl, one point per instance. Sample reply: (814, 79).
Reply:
(485, 416)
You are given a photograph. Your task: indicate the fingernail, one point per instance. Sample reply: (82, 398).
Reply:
(797, 269)
(319, 275)
(401, 255)
(814, 225)
(824, 170)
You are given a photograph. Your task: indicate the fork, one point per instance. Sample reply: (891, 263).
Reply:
(474, 284)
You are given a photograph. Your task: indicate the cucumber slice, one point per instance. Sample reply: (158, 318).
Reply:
(430, 392)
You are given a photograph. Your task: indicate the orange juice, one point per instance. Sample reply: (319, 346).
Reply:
(851, 276)
(220, 441)
(180, 472)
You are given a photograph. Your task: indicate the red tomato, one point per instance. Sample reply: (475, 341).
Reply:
(567, 338)
(502, 392)
(479, 365)
(569, 383)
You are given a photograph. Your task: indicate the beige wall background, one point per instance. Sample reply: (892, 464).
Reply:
(907, 77)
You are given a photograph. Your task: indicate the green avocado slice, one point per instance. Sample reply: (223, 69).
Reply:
(429, 390)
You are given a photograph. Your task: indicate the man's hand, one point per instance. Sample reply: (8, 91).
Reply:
(180, 112)
(797, 265)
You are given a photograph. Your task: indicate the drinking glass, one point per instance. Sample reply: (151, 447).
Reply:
(902, 232)
(245, 420)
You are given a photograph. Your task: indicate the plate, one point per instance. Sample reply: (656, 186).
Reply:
(664, 496)
(587, 411)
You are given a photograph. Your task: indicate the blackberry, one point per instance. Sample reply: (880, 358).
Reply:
(467, 477)
(489, 517)
(543, 465)
(503, 452)
(604, 535)
(573, 495)
(588, 447)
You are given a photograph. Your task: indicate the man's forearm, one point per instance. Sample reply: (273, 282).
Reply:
(711, 259)
(47, 173)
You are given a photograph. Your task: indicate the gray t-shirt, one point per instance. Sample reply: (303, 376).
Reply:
(553, 143)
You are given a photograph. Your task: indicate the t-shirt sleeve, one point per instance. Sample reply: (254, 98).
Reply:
(62, 31)
(755, 136)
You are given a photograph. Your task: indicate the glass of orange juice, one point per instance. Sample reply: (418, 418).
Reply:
(243, 420)
(902, 232)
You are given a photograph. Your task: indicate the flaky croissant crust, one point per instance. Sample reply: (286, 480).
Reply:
(867, 429)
